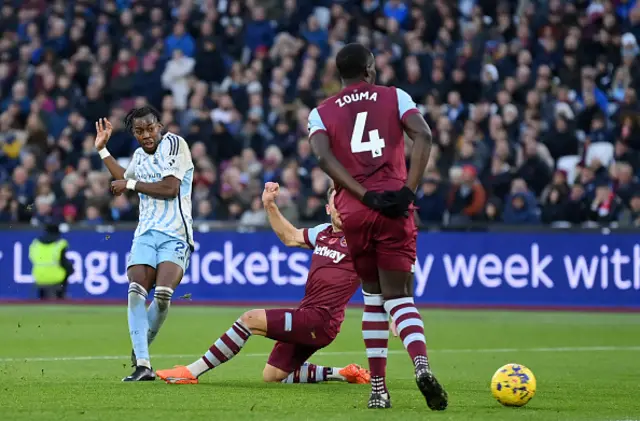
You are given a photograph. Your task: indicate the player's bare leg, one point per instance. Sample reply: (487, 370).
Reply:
(397, 289)
(375, 332)
(312, 373)
(141, 278)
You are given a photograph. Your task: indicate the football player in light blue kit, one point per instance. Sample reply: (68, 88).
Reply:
(161, 172)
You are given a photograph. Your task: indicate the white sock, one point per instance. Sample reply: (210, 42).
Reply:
(334, 374)
(224, 349)
(143, 362)
(158, 311)
(138, 323)
(198, 367)
(308, 373)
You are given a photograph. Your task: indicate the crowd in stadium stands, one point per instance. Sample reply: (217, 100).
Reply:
(533, 103)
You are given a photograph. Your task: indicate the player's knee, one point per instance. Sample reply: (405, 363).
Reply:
(395, 284)
(139, 277)
(394, 295)
(271, 374)
(137, 293)
(268, 376)
(254, 320)
(372, 288)
(168, 275)
(162, 297)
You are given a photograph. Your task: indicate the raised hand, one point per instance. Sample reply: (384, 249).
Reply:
(103, 133)
(270, 193)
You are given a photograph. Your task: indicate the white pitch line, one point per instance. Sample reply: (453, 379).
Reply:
(336, 353)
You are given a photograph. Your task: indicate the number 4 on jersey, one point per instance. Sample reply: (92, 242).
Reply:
(375, 143)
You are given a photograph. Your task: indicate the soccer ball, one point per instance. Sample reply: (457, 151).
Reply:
(513, 385)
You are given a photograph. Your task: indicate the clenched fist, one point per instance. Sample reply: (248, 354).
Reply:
(270, 193)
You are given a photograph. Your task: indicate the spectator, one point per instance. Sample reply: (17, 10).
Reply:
(175, 77)
(259, 31)
(122, 84)
(492, 211)
(23, 187)
(519, 210)
(306, 160)
(467, 197)
(180, 40)
(561, 140)
(559, 182)
(605, 207)
(287, 207)
(625, 182)
(43, 211)
(499, 179)
(623, 153)
(271, 165)
(396, 10)
(122, 210)
(431, 199)
(209, 60)
(8, 205)
(630, 217)
(533, 169)
(313, 210)
(599, 131)
(93, 216)
(204, 211)
(577, 207)
(555, 207)
(314, 33)
(255, 216)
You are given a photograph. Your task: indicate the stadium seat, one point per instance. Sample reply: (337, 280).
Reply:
(602, 150)
(568, 164)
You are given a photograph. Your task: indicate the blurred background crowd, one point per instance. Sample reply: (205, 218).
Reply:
(533, 103)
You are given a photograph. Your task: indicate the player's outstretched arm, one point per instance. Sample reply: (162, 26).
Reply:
(103, 134)
(329, 163)
(286, 232)
(419, 131)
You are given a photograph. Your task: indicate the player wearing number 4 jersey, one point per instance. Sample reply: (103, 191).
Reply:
(301, 331)
(358, 137)
(161, 172)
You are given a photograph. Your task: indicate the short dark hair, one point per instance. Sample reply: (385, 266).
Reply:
(329, 193)
(139, 113)
(352, 60)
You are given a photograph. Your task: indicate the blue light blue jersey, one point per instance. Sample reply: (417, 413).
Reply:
(169, 217)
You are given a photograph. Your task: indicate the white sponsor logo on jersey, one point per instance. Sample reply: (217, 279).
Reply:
(325, 251)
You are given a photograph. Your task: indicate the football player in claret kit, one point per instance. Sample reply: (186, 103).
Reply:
(301, 331)
(358, 137)
(161, 172)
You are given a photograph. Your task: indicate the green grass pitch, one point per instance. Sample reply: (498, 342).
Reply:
(66, 362)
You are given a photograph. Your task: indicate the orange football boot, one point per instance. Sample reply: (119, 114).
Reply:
(179, 374)
(353, 373)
